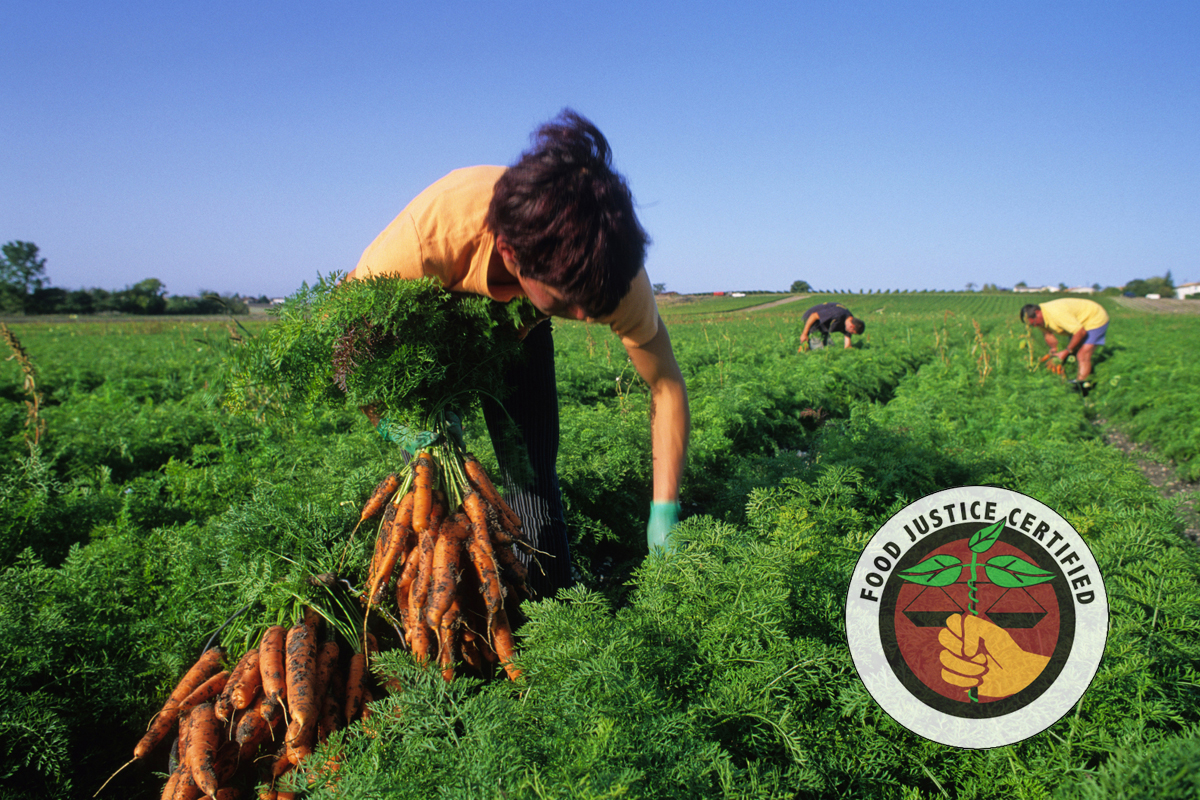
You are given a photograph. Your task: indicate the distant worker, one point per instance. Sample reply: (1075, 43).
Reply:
(1085, 320)
(828, 318)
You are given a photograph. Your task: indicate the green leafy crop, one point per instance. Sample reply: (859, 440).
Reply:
(405, 348)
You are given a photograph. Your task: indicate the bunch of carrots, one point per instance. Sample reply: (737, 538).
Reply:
(452, 577)
(1055, 365)
(444, 557)
(256, 721)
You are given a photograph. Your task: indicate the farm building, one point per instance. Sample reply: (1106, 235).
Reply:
(1032, 289)
(1187, 289)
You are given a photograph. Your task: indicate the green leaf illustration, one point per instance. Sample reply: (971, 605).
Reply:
(1012, 572)
(984, 538)
(940, 570)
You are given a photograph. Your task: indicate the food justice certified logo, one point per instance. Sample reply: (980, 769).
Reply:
(976, 617)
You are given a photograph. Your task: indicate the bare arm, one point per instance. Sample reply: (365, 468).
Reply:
(670, 418)
(808, 324)
(1076, 342)
(847, 345)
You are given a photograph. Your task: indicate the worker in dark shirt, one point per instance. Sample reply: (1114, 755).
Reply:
(828, 318)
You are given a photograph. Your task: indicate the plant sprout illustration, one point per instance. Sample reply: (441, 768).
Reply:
(1006, 571)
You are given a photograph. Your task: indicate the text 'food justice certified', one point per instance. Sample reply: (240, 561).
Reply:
(976, 617)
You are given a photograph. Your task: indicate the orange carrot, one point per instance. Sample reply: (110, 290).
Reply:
(483, 484)
(327, 658)
(410, 569)
(401, 529)
(301, 673)
(425, 474)
(225, 706)
(204, 692)
(246, 689)
(386, 488)
(271, 663)
(257, 725)
(513, 569)
(502, 638)
(448, 640)
(356, 685)
(168, 792)
(204, 739)
(204, 668)
(444, 569)
(419, 590)
(382, 542)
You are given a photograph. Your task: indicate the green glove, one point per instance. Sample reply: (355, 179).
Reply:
(663, 516)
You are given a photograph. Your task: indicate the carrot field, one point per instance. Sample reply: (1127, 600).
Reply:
(141, 519)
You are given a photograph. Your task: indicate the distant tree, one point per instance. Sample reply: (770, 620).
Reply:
(144, 297)
(1096, 286)
(970, 286)
(1140, 287)
(1021, 284)
(801, 286)
(660, 288)
(21, 274)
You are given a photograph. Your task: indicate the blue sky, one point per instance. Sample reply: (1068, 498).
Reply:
(247, 147)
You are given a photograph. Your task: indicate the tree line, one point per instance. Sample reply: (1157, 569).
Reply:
(24, 289)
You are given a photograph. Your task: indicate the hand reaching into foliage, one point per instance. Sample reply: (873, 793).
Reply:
(663, 516)
(979, 653)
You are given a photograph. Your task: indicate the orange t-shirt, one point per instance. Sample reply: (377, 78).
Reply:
(443, 233)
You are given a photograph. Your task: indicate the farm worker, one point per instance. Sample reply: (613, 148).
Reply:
(828, 318)
(558, 227)
(1085, 320)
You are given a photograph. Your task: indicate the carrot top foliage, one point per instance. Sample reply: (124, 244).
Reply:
(406, 348)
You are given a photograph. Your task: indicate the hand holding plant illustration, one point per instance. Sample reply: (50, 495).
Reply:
(968, 666)
(979, 653)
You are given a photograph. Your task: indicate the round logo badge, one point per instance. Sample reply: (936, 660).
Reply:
(976, 617)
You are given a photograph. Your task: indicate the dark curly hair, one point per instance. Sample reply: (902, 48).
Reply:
(569, 217)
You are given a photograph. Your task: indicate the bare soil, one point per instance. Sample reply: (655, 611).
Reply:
(1165, 305)
(1164, 476)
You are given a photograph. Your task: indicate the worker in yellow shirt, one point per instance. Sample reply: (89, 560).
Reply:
(558, 227)
(1085, 321)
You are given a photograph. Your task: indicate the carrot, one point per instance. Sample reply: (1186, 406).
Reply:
(246, 689)
(483, 484)
(400, 530)
(480, 549)
(204, 668)
(447, 640)
(470, 655)
(329, 718)
(204, 692)
(327, 658)
(186, 788)
(419, 590)
(204, 739)
(257, 725)
(513, 569)
(410, 569)
(168, 792)
(425, 474)
(301, 673)
(382, 542)
(300, 740)
(271, 663)
(382, 492)
(503, 641)
(225, 706)
(444, 570)
(356, 685)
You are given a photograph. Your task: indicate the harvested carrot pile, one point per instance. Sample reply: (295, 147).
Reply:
(445, 561)
(446, 574)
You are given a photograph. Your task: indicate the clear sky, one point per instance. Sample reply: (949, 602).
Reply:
(248, 146)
